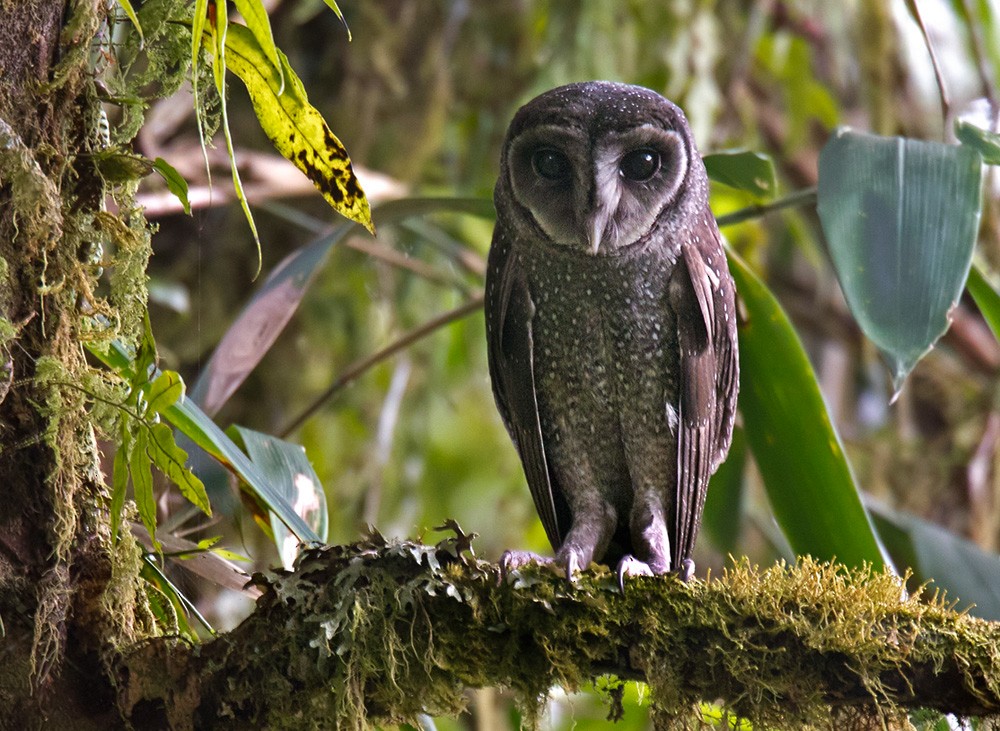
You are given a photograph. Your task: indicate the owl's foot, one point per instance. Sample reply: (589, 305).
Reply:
(631, 566)
(686, 570)
(511, 561)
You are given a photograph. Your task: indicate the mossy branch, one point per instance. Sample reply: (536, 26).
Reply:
(383, 631)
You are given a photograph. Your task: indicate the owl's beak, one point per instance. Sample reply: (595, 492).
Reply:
(595, 224)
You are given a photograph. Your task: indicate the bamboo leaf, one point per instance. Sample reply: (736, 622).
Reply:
(796, 447)
(295, 127)
(901, 218)
(332, 4)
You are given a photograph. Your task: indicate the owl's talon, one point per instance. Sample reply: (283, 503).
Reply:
(631, 566)
(572, 567)
(511, 561)
(686, 570)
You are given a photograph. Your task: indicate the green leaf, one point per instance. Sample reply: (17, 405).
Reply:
(986, 297)
(332, 4)
(745, 170)
(176, 184)
(119, 480)
(199, 428)
(141, 470)
(901, 218)
(986, 143)
(259, 25)
(295, 127)
(290, 473)
(171, 460)
(797, 449)
(164, 391)
(724, 501)
(130, 12)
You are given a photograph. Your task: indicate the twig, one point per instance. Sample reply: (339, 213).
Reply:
(798, 198)
(359, 368)
(938, 77)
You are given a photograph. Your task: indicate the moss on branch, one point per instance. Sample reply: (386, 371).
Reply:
(383, 631)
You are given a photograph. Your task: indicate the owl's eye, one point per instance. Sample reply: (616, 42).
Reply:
(640, 165)
(551, 164)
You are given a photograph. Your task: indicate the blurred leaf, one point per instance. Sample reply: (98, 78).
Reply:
(257, 327)
(968, 573)
(180, 604)
(295, 127)
(987, 299)
(986, 143)
(176, 183)
(259, 25)
(900, 217)
(724, 501)
(290, 473)
(744, 170)
(796, 447)
(130, 12)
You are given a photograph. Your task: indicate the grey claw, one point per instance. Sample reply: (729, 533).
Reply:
(686, 570)
(511, 561)
(631, 566)
(572, 567)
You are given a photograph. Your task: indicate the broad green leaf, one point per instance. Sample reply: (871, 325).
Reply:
(140, 467)
(968, 573)
(176, 183)
(259, 24)
(986, 143)
(745, 170)
(332, 4)
(164, 391)
(796, 447)
(900, 218)
(199, 428)
(295, 127)
(986, 297)
(288, 470)
(130, 12)
(273, 304)
(171, 460)
(119, 481)
(724, 501)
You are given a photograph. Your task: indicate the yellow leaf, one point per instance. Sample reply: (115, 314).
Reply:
(296, 128)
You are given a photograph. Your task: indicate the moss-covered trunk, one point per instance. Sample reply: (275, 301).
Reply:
(56, 555)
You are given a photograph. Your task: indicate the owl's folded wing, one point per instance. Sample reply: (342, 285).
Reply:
(509, 312)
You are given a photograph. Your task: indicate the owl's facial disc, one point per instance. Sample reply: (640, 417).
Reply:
(596, 196)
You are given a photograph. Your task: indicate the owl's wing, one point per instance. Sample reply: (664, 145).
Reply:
(509, 312)
(702, 295)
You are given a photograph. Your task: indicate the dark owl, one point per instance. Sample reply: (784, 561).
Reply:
(611, 323)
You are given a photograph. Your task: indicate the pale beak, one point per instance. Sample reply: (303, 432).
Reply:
(595, 225)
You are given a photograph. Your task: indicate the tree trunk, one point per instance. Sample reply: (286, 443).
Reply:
(57, 561)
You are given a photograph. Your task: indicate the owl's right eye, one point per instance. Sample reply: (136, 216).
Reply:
(551, 164)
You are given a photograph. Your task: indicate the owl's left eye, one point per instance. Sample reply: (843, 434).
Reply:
(640, 165)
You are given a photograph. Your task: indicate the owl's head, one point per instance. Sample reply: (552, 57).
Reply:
(596, 165)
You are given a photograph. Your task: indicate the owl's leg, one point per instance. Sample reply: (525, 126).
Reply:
(594, 523)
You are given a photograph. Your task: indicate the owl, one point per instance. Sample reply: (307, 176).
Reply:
(611, 326)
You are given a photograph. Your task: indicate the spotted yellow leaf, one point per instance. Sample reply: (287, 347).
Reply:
(296, 128)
